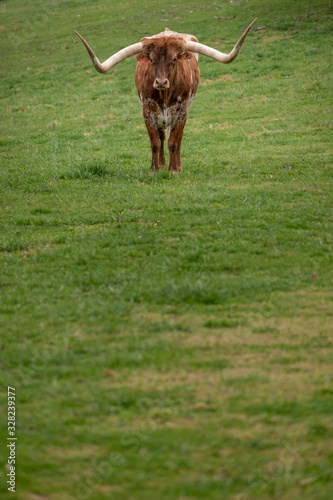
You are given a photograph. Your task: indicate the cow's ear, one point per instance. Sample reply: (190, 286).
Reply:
(148, 49)
(138, 57)
(184, 55)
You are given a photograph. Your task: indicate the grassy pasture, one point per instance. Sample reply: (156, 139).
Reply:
(168, 337)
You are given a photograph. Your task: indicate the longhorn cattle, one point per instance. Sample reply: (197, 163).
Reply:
(167, 78)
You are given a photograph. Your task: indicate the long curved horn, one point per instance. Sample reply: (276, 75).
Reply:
(216, 54)
(131, 50)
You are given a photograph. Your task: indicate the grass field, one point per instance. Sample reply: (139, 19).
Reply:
(168, 338)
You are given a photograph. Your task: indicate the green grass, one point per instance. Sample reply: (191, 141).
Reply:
(168, 337)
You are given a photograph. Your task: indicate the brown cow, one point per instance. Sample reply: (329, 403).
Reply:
(167, 78)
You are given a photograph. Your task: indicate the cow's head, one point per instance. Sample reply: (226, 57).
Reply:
(162, 53)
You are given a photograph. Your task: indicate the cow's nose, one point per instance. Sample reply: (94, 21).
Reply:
(161, 83)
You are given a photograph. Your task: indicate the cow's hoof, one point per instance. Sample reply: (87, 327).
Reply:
(153, 170)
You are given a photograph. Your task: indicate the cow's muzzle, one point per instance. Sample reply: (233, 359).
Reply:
(161, 84)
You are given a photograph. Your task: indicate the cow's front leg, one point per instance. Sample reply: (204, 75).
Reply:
(155, 144)
(174, 145)
(156, 136)
(162, 160)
